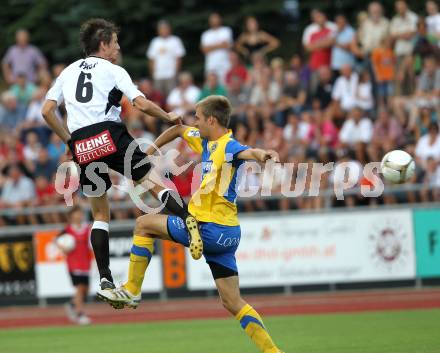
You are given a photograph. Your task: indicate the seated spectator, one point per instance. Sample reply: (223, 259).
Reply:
(32, 147)
(44, 165)
(34, 119)
(183, 98)
(12, 114)
(18, 192)
(364, 92)
(22, 89)
(344, 90)
(56, 147)
(388, 134)
(266, 92)
(428, 90)
(431, 181)
(238, 69)
(428, 146)
(324, 131)
(253, 40)
(323, 92)
(272, 137)
(238, 95)
(258, 67)
(383, 62)
(341, 51)
(46, 195)
(302, 70)
(277, 67)
(422, 122)
(292, 98)
(212, 86)
(356, 132)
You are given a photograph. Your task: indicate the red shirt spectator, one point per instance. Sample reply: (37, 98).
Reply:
(317, 39)
(237, 69)
(79, 259)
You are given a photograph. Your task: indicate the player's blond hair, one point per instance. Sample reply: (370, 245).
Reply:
(217, 106)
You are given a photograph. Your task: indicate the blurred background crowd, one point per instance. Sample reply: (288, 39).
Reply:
(354, 91)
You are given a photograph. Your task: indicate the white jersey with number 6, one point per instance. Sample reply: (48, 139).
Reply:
(92, 89)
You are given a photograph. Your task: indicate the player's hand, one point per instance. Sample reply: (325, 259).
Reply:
(270, 155)
(175, 118)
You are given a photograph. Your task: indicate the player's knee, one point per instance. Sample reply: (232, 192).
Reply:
(143, 225)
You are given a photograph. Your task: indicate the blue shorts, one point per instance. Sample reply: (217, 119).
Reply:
(219, 242)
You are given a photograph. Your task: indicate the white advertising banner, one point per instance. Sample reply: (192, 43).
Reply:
(320, 248)
(52, 275)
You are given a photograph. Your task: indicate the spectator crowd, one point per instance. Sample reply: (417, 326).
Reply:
(353, 93)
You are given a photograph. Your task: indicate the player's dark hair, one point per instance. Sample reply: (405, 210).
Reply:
(218, 107)
(95, 31)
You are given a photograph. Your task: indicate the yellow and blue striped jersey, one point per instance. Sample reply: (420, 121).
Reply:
(215, 200)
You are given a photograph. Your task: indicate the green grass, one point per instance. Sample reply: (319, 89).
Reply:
(381, 332)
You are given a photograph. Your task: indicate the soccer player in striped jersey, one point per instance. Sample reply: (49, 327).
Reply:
(214, 207)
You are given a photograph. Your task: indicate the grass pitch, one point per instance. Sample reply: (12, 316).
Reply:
(378, 332)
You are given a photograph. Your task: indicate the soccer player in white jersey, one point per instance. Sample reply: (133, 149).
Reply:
(91, 89)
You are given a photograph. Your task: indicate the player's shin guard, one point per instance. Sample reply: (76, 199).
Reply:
(173, 203)
(140, 256)
(252, 324)
(100, 243)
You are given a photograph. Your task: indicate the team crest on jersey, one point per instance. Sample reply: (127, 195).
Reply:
(94, 147)
(193, 133)
(206, 167)
(214, 146)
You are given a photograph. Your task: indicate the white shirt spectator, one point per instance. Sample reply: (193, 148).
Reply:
(21, 191)
(401, 25)
(364, 96)
(259, 96)
(301, 133)
(345, 90)
(177, 98)
(352, 133)
(217, 60)
(424, 149)
(165, 51)
(433, 25)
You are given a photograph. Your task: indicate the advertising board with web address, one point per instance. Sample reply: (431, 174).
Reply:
(320, 248)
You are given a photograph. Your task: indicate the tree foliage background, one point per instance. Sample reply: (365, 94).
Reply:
(54, 24)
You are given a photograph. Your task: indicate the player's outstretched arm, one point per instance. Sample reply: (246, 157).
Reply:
(48, 112)
(167, 136)
(259, 155)
(148, 107)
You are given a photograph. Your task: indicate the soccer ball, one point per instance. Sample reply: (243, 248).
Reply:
(397, 166)
(66, 242)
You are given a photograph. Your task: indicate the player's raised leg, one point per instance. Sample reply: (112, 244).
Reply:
(175, 204)
(100, 239)
(249, 319)
(147, 229)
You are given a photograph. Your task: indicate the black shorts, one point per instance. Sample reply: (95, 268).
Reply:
(97, 147)
(79, 279)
